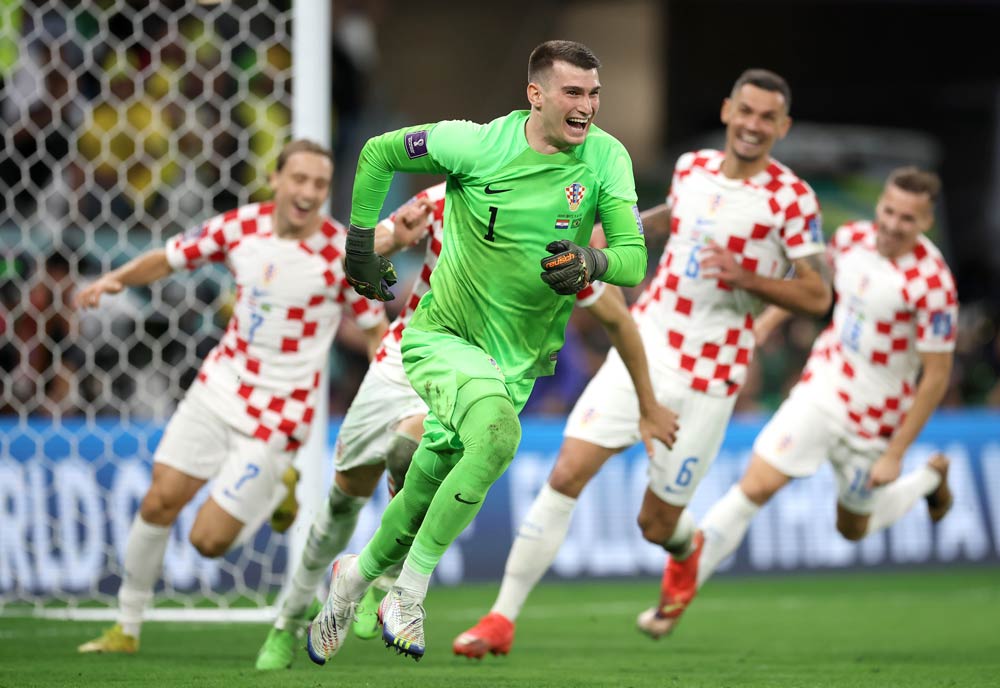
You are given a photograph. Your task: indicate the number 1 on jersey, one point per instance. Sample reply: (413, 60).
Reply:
(489, 236)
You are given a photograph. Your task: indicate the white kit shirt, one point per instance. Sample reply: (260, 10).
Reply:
(864, 366)
(263, 376)
(705, 328)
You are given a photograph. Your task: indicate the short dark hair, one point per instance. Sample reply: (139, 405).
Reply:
(767, 80)
(301, 146)
(545, 55)
(915, 180)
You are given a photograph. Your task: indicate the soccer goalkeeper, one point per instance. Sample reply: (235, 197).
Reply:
(522, 191)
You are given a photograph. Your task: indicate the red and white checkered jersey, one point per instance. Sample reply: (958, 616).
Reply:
(706, 327)
(866, 363)
(263, 376)
(389, 358)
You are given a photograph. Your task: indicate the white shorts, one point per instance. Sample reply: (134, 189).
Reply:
(803, 434)
(607, 414)
(247, 471)
(381, 403)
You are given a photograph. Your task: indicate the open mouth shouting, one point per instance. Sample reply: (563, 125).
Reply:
(577, 127)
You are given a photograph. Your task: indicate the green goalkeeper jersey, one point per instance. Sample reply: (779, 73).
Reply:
(503, 204)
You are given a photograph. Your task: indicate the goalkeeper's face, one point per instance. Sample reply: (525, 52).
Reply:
(300, 189)
(565, 101)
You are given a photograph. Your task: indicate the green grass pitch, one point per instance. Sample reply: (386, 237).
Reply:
(929, 628)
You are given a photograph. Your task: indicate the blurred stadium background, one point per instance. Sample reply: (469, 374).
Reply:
(124, 122)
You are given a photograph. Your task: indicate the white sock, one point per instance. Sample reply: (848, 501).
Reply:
(353, 584)
(680, 543)
(896, 498)
(413, 582)
(388, 578)
(723, 527)
(144, 552)
(328, 535)
(535, 548)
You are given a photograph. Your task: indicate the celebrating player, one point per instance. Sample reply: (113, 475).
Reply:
(858, 404)
(370, 438)
(253, 401)
(520, 187)
(738, 219)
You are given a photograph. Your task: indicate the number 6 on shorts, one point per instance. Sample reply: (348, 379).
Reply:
(684, 475)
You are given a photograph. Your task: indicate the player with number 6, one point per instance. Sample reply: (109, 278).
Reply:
(738, 220)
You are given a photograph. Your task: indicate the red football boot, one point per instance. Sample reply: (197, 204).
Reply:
(494, 633)
(679, 586)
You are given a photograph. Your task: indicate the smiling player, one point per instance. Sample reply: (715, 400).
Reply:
(738, 220)
(859, 403)
(522, 195)
(253, 401)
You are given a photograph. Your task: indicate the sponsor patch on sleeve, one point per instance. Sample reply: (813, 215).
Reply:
(815, 232)
(941, 324)
(416, 144)
(638, 218)
(194, 232)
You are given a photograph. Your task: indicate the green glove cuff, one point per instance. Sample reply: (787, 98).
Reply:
(360, 241)
(597, 262)
(370, 274)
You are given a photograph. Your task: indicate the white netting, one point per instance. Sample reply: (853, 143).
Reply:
(124, 122)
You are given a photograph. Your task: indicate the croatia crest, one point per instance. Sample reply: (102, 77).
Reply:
(574, 194)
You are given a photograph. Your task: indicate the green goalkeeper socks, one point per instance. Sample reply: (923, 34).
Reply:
(439, 501)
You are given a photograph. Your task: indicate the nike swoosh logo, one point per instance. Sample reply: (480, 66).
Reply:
(490, 192)
(458, 498)
(668, 609)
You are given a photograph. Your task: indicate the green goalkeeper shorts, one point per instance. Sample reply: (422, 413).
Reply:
(438, 365)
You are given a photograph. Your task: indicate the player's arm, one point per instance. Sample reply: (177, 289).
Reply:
(140, 271)
(626, 251)
(655, 421)
(403, 150)
(373, 336)
(806, 291)
(930, 390)
(656, 220)
(774, 316)
(767, 322)
(404, 228)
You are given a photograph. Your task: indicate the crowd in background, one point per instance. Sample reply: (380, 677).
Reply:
(124, 128)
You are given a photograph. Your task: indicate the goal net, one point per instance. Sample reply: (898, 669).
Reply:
(124, 122)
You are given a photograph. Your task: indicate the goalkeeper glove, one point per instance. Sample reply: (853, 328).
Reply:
(370, 274)
(572, 267)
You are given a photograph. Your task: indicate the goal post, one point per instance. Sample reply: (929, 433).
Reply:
(311, 118)
(125, 123)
